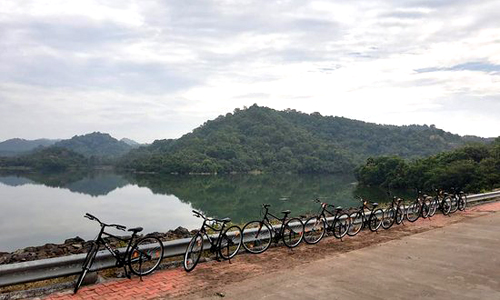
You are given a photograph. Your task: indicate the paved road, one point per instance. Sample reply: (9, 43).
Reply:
(459, 261)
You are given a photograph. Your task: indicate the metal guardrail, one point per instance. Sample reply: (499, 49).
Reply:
(71, 265)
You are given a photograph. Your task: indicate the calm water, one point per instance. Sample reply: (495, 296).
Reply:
(48, 208)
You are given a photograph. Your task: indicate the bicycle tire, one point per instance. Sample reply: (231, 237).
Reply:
(230, 242)
(433, 208)
(341, 226)
(462, 202)
(454, 204)
(145, 256)
(413, 211)
(293, 234)
(400, 214)
(87, 264)
(258, 242)
(389, 217)
(446, 206)
(314, 230)
(426, 208)
(355, 223)
(374, 222)
(193, 252)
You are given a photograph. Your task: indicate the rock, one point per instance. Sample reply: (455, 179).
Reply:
(75, 240)
(18, 252)
(181, 231)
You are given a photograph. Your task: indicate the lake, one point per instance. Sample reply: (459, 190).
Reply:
(48, 208)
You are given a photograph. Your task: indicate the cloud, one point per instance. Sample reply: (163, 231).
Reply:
(155, 69)
(469, 66)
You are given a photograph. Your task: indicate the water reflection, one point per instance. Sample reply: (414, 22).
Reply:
(41, 208)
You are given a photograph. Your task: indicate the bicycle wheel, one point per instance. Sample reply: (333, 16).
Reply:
(413, 211)
(314, 230)
(230, 242)
(454, 204)
(462, 202)
(145, 256)
(426, 208)
(375, 219)
(446, 206)
(293, 232)
(356, 223)
(341, 226)
(193, 252)
(389, 218)
(433, 207)
(87, 264)
(257, 237)
(400, 214)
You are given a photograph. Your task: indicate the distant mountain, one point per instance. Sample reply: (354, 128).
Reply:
(95, 144)
(130, 142)
(263, 139)
(17, 146)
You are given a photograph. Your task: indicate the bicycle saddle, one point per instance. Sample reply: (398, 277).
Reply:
(226, 220)
(374, 204)
(339, 208)
(286, 212)
(136, 229)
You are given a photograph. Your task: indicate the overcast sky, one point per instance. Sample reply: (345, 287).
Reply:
(157, 69)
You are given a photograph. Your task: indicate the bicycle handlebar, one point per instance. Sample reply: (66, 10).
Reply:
(93, 218)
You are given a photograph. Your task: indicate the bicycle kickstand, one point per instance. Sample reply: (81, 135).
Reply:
(140, 268)
(127, 274)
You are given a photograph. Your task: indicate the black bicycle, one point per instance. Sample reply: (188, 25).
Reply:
(421, 207)
(141, 258)
(394, 214)
(359, 220)
(226, 244)
(258, 235)
(458, 200)
(315, 227)
(441, 201)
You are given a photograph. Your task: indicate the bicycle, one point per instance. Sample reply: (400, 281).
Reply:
(419, 208)
(258, 235)
(226, 245)
(462, 201)
(458, 200)
(142, 258)
(359, 219)
(394, 214)
(315, 227)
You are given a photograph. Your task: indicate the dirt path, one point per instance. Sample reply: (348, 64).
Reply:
(209, 279)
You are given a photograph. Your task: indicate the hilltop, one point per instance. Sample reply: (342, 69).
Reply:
(96, 144)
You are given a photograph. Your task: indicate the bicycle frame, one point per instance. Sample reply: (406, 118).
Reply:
(278, 234)
(334, 215)
(121, 260)
(214, 243)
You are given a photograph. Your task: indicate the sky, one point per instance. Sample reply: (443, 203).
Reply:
(150, 69)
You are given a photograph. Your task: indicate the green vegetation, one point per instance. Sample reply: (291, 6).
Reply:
(96, 146)
(472, 168)
(260, 139)
(52, 159)
(263, 139)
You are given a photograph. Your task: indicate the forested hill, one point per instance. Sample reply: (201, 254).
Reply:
(95, 144)
(263, 139)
